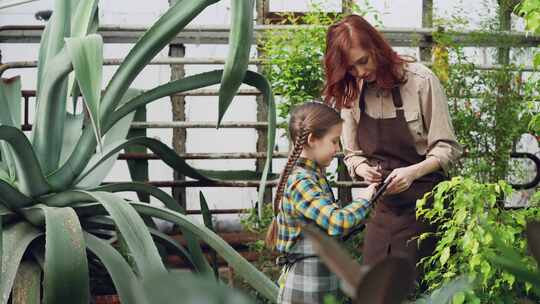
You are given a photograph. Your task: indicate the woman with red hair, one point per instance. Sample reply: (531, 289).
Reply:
(396, 128)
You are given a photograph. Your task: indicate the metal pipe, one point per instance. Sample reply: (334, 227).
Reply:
(197, 124)
(219, 211)
(232, 184)
(219, 61)
(219, 34)
(219, 156)
(199, 92)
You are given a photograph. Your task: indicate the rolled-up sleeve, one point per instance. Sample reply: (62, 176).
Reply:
(354, 156)
(317, 205)
(441, 139)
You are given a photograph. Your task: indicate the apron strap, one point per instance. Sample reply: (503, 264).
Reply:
(362, 101)
(396, 97)
(290, 259)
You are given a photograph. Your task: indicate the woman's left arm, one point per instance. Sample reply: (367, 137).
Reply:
(442, 146)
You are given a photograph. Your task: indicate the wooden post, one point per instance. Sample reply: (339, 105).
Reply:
(346, 6)
(505, 14)
(179, 114)
(503, 56)
(262, 7)
(344, 193)
(427, 22)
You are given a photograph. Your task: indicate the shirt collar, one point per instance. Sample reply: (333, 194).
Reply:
(308, 164)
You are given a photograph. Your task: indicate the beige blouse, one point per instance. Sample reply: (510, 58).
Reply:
(426, 112)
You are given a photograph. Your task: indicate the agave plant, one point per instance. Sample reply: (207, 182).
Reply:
(54, 212)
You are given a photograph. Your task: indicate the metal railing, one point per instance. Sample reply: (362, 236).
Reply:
(410, 37)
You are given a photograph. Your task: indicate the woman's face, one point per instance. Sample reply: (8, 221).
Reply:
(361, 64)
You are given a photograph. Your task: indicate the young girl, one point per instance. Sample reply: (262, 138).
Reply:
(315, 129)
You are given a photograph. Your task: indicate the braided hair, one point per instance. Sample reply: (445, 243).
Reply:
(309, 118)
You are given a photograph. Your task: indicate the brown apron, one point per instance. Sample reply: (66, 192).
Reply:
(388, 143)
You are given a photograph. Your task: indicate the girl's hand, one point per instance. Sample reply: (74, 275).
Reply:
(368, 173)
(367, 193)
(402, 179)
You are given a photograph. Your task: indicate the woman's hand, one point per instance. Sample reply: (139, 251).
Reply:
(368, 173)
(367, 193)
(402, 179)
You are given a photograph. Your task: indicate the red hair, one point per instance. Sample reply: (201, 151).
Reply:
(341, 87)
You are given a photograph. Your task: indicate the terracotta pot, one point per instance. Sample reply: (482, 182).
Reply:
(107, 299)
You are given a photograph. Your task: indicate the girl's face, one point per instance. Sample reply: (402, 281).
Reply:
(323, 150)
(361, 64)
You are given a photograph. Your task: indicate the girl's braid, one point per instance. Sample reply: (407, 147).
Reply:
(301, 139)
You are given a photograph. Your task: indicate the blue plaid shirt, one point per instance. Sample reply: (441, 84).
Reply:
(309, 198)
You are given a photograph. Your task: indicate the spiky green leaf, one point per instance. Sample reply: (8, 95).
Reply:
(254, 277)
(207, 219)
(133, 230)
(261, 83)
(153, 41)
(83, 21)
(10, 3)
(10, 102)
(191, 289)
(197, 256)
(15, 241)
(48, 128)
(125, 281)
(117, 133)
(240, 40)
(58, 27)
(11, 198)
(30, 177)
(246, 270)
(65, 258)
(72, 132)
(87, 57)
(27, 285)
(138, 168)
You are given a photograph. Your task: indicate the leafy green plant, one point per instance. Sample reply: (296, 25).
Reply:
(54, 214)
(468, 217)
(487, 121)
(253, 223)
(511, 260)
(530, 11)
(292, 60)
(489, 108)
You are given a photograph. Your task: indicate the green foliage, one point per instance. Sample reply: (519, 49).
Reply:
(530, 11)
(490, 109)
(487, 107)
(468, 216)
(293, 59)
(254, 223)
(488, 114)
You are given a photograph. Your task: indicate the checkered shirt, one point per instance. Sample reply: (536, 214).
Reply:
(309, 198)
